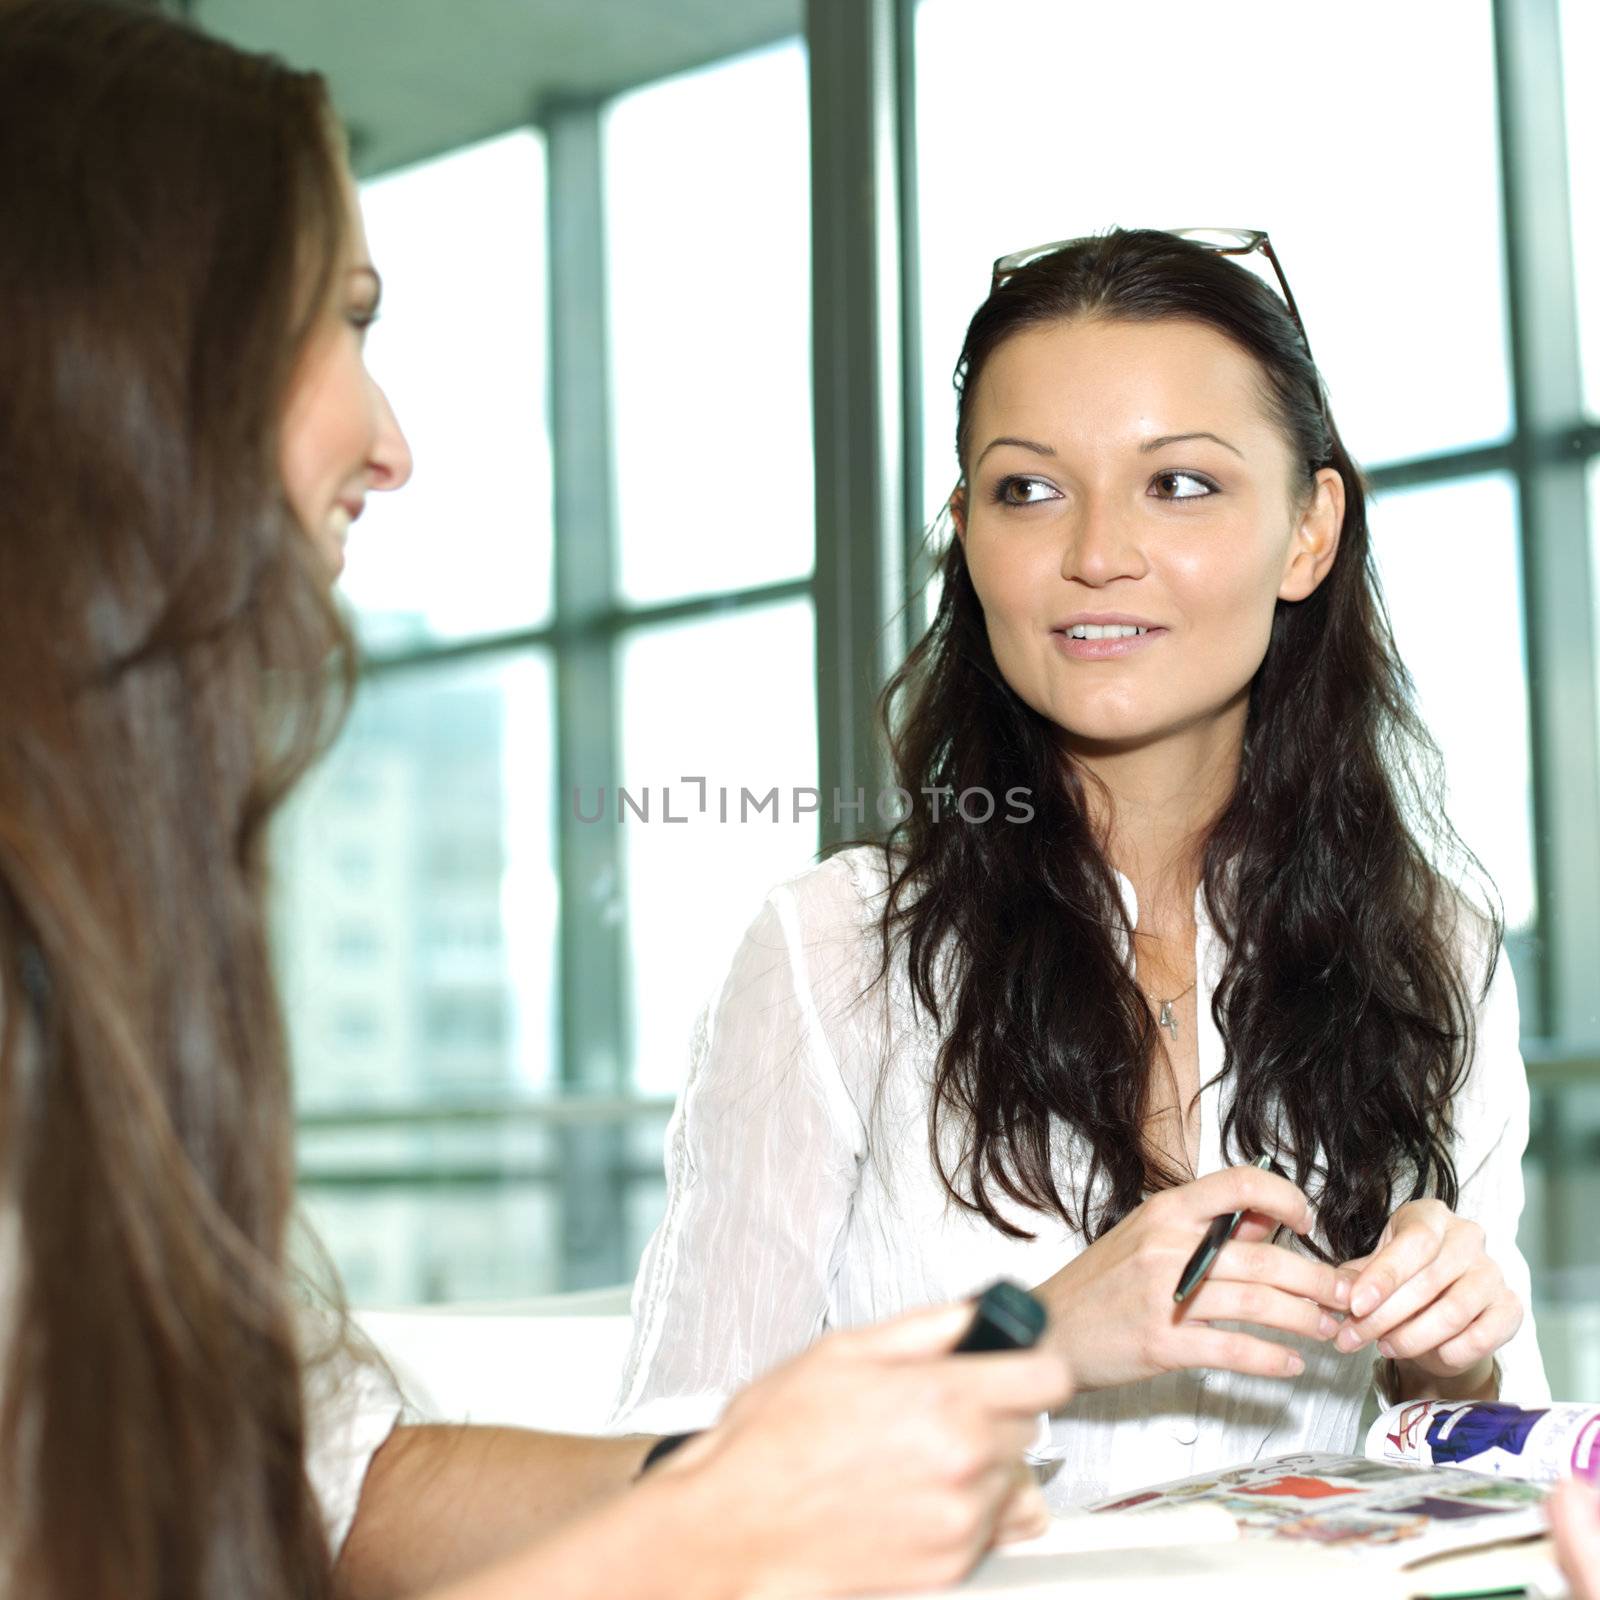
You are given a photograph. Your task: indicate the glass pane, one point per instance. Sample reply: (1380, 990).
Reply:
(416, 900)
(412, 1217)
(476, 1210)
(1594, 560)
(1580, 49)
(1369, 150)
(708, 228)
(460, 348)
(1450, 560)
(732, 701)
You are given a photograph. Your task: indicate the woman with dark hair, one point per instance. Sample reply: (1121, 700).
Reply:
(187, 429)
(1172, 891)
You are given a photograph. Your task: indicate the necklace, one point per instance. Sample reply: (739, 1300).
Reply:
(1165, 1016)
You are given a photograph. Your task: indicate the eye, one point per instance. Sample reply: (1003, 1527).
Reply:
(1182, 486)
(1021, 491)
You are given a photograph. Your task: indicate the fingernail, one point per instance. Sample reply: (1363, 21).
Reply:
(1348, 1340)
(1364, 1300)
(1327, 1326)
(1386, 1350)
(1294, 1366)
(1341, 1291)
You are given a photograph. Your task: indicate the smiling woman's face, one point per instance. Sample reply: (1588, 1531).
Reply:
(1128, 475)
(340, 438)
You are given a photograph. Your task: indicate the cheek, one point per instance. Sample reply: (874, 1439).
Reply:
(1229, 592)
(327, 431)
(1009, 576)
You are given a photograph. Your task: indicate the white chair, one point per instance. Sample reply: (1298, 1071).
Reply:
(552, 1363)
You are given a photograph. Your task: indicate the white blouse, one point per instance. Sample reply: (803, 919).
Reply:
(802, 1197)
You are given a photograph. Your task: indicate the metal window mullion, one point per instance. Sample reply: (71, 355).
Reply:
(858, 341)
(594, 1043)
(917, 559)
(1547, 392)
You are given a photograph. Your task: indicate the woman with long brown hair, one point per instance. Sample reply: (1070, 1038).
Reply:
(1171, 892)
(187, 429)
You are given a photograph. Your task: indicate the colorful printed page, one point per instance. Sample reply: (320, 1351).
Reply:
(1391, 1515)
(1542, 1444)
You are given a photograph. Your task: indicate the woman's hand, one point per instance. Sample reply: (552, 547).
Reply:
(1575, 1522)
(1112, 1313)
(1433, 1301)
(877, 1460)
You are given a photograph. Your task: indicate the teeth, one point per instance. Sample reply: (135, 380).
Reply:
(1113, 630)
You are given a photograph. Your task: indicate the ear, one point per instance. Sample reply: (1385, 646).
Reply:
(1315, 541)
(958, 510)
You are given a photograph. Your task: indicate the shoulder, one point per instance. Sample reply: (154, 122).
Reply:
(1481, 958)
(842, 895)
(1496, 1077)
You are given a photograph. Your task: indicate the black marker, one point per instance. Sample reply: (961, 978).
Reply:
(1007, 1318)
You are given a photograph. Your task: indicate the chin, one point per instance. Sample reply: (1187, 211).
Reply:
(1108, 727)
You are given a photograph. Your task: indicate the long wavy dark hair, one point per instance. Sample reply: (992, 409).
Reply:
(171, 220)
(1343, 1005)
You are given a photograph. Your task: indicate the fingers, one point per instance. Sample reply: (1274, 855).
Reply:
(1575, 1522)
(1228, 1351)
(1455, 1310)
(931, 1331)
(1435, 1267)
(1419, 1230)
(1224, 1300)
(1025, 1514)
(1456, 1337)
(1256, 1227)
(1248, 1189)
(1020, 1384)
(1255, 1262)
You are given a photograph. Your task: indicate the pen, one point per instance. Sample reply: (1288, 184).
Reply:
(1210, 1247)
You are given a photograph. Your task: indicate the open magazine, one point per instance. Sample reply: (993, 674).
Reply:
(1446, 1500)
(1436, 1477)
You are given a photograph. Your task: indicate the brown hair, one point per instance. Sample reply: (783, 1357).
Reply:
(171, 217)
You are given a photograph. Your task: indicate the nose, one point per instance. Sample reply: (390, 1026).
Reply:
(389, 465)
(1102, 546)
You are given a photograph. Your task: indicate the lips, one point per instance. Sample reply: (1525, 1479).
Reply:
(1106, 638)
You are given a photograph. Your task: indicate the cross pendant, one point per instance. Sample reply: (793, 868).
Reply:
(1167, 1020)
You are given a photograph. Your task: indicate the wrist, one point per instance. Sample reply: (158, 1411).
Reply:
(1407, 1380)
(694, 1549)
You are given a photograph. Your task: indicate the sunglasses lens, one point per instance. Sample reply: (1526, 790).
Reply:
(1229, 239)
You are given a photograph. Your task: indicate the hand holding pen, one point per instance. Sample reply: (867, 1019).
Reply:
(1113, 1312)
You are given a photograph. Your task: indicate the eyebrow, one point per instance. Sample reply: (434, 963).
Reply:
(1022, 444)
(1183, 438)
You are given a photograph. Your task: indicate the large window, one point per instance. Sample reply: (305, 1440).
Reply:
(481, 1111)
(460, 349)
(595, 721)
(1078, 118)
(709, 335)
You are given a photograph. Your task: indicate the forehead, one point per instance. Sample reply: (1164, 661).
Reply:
(355, 226)
(1096, 381)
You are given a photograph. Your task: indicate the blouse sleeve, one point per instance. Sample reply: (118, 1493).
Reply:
(763, 1155)
(351, 1407)
(1491, 1134)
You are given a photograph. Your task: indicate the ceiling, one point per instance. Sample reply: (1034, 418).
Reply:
(415, 78)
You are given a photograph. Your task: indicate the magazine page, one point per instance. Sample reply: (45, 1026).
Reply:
(1542, 1444)
(1391, 1515)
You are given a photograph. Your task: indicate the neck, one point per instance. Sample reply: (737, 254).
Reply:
(1154, 805)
